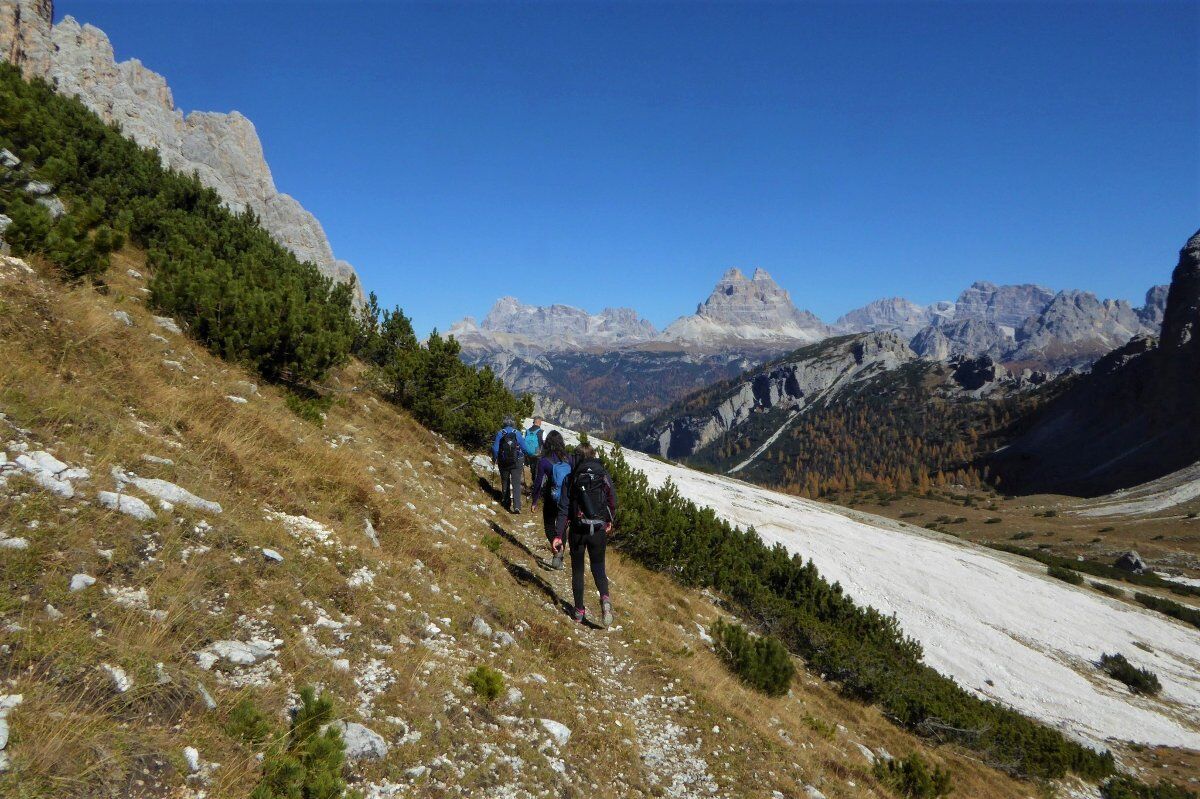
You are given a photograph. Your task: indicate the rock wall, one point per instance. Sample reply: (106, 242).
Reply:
(224, 149)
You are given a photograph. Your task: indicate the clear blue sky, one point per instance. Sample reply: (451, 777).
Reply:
(626, 154)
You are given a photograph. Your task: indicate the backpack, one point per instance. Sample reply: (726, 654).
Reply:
(533, 446)
(558, 475)
(510, 450)
(587, 490)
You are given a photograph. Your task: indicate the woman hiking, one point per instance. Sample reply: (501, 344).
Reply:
(552, 470)
(585, 517)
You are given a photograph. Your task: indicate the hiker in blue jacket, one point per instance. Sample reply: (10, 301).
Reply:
(534, 442)
(508, 453)
(553, 468)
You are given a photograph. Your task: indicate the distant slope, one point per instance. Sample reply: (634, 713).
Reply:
(1135, 418)
(995, 623)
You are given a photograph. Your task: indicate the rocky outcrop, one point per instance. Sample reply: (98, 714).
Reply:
(962, 338)
(896, 314)
(1004, 305)
(742, 309)
(1134, 418)
(814, 372)
(1074, 329)
(514, 326)
(1151, 314)
(223, 149)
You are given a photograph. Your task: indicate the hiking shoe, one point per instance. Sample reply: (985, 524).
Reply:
(608, 616)
(581, 615)
(556, 562)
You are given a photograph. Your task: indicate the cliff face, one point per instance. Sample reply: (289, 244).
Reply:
(223, 149)
(1135, 418)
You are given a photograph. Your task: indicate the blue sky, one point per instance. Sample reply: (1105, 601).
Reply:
(603, 154)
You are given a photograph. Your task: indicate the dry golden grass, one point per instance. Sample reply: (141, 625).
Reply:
(97, 393)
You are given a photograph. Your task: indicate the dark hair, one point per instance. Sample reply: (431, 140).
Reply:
(585, 452)
(555, 445)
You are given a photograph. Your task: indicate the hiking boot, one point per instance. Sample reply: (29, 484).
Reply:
(608, 616)
(581, 615)
(556, 562)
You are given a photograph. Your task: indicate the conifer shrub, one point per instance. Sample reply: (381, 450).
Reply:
(307, 763)
(465, 404)
(242, 294)
(309, 406)
(491, 542)
(486, 682)
(1105, 588)
(1125, 787)
(1066, 575)
(249, 724)
(761, 662)
(913, 778)
(1170, 608)
(1140, 681)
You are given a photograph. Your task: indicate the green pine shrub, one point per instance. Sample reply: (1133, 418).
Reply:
(865, 652)
(761, 662)
(249, 724)
(309, 406)
(465, 404)
(1066, 575)
(1140, 681)
(486, 682)
(1170, 608)
(243, 295)
(1097, 569)
(1124, 787)
(913, 778)
(1105, 588)
(307, 763)
(491, 542)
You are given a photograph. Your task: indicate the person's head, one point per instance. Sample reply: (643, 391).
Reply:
(555, 444)
(585, 452)
(537, 421)
(509, 422)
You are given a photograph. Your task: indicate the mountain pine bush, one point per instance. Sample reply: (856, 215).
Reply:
(864, 651)
(308, 763)
(486, 682)
(243, 295)
(1066, 575)
(761, 662)
(913, 778)
(431, 381)
(1124, 787)
(1140, 681)
(1170, 608)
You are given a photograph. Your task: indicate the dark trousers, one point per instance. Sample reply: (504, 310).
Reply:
(510, 486)
(593, 546)
(549, 516)
(532, 462)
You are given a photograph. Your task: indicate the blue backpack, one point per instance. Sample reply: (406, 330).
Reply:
(532, 445)
(558, 475)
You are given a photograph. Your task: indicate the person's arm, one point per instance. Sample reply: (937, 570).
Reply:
(496, 447)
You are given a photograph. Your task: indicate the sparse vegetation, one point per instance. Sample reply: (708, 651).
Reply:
(491, 542)
(1105, 588)
(913, 778)
(1149, 579)
(761, 662)
(1125, 787)
(1140, 681)
(308, 762)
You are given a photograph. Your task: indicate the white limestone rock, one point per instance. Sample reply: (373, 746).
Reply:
(362, 743)
(81, 581)
(130, 506)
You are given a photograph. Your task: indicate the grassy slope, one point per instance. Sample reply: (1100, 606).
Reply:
(95, 392)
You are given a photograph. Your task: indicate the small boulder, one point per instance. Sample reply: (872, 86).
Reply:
(82, 581)
(1131, 562)
(481, 627)
(561, 733)
(39, 188)
(167, 323)
(362, 743)
(502, 638)
(8, 160)
(120, 680)
(271, 554)
(191, 756)
(123, 318)
(53, 205)
(130, 506)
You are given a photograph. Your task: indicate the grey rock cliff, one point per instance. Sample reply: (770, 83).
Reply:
(1009, 306)
(223, 149)
(745, 309)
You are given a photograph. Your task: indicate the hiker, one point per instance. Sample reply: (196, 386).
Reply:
(534, 441)
(508, 453)
(552, 470)
(585, 518)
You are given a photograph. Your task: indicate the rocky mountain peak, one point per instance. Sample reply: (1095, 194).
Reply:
(1181, 319)
(223, 149)
(1004, 305)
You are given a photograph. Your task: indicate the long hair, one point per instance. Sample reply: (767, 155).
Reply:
(555, 445)
(585, 452)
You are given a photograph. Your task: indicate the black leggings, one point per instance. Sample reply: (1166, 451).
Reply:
(593, 546)
(549, 517)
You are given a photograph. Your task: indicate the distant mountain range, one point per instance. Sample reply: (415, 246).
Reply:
(614, 368)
